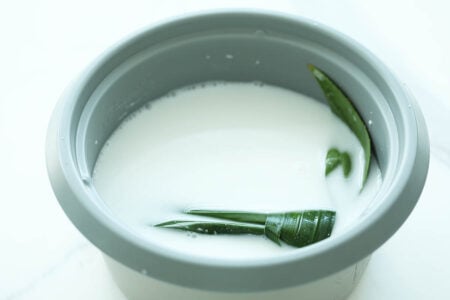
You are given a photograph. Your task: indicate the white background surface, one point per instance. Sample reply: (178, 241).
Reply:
(45, 44)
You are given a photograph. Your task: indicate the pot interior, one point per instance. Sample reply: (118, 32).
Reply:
(233, 54)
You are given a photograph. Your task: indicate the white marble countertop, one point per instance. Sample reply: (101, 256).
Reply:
(45, 44)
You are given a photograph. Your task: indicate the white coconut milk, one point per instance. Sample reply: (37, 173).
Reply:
(234, 146)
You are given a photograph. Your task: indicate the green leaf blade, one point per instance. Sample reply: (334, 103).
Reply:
(240, 216)
(346, 163)
(298, 229)
(342, 107)
(204, 227)
(332, 161)
(336, 158)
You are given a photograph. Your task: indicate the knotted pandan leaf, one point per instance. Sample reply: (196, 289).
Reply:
(342, 107)
(297, 229)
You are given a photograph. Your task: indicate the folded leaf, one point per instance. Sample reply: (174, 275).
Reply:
(336, 158)
(298, 229)
(342, 107)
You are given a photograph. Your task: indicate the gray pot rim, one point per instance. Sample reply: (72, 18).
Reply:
(74, 194)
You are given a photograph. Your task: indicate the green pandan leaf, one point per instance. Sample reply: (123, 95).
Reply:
(342, 107)
(213, 227)
(336, 158)
(346, 163)
(257, 218)
(298, 229)
(333, 160)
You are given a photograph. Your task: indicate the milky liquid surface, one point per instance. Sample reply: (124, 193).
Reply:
(232, 146)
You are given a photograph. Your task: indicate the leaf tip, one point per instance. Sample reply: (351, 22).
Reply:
(194, 211)
(317, 73)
